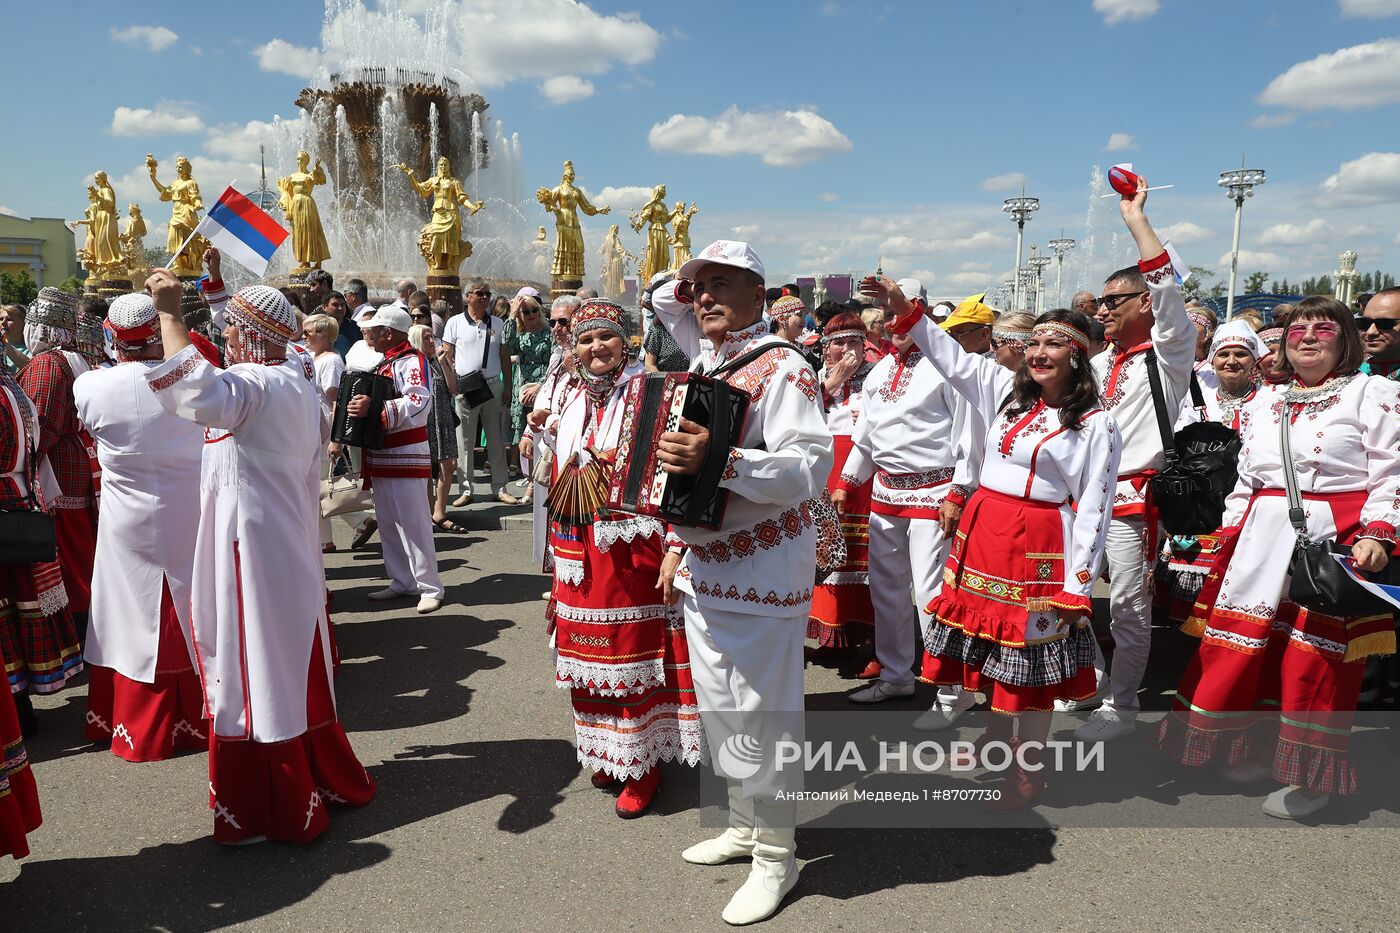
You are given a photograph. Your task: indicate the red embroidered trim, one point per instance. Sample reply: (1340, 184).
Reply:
(1148, 265)
(766, 535)
(1063, 600)
(242, 644)
(176, 374)
(735, 455)
(1010, 438)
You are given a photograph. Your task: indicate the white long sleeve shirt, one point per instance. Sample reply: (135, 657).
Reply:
(406, 453)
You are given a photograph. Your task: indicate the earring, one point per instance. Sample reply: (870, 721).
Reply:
(1074, 361)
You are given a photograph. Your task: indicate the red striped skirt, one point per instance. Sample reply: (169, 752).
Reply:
(841, 613)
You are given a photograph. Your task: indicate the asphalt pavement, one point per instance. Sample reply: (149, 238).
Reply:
(483, 820)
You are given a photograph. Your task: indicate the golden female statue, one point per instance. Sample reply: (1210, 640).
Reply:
(134, 243)
(614, 265)
(680, 236)
(86, 258)
(102, 232)
(309, 246)
(440, 240)
(565, 201)
(654, 213)
(185, 205)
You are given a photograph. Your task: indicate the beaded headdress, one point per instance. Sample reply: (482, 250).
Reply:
(52, 317)
(133, 322)
(264, 318)
(594, 313)
(1061, 329)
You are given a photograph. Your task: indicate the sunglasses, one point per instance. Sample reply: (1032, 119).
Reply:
(480, 294)
(559, 322)
(1111, 302)
(1379, 323)
(420, 316)
(1323, 331)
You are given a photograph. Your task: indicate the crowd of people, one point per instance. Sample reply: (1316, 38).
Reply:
(929, 493)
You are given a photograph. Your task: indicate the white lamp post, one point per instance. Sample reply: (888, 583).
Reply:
(1238, 184)
(1059, 246)
(1038, 264)
(1020, 208)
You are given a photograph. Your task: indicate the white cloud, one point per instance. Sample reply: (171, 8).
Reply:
(1266, 121)
(1372, 179)
(828, 197)
(167, 117)
(830, 8)
(1007, 182)
(747, 231)
(1252, 261)
(1372, 9)
(153, 38)
(1354, 78)
(626, 198)
(779, 137)
(565, 89)
(281, 57)
(1186, 233)
(906, 246)
(239, 142)
(211, 174)
(1122, 11)
(967, 281)
(1118, 142)
(1287, 234)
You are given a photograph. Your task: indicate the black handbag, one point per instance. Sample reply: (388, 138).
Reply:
(28, 536)
(1318, 582)
(473, 386)
(1202, 465)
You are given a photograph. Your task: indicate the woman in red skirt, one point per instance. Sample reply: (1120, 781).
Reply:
(842, 616)
(619, 648)
(1012, 617)
(1273, 688)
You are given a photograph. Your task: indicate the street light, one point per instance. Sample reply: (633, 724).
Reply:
(1238, 184)
(1025, 281)
(1038, 264)
(1020, 208)
(1059, 246)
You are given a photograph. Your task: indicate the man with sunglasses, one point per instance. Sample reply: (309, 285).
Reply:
(469, 337)
(746, 589)
(1143, 315)
(1380, 335)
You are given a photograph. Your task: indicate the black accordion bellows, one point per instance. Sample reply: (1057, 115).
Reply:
(368, 431)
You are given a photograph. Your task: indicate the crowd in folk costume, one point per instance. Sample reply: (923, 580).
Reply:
(903, 475)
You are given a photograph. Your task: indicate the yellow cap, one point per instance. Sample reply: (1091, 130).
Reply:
(971, 311)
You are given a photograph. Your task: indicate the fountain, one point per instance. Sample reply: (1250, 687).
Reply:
(389, 92)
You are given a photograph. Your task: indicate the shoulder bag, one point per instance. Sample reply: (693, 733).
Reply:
(1202, 463)
(342, 493)
(473, 386)
(1318, 582)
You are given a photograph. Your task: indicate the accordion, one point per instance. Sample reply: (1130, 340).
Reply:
(654, 405)
(366, 431)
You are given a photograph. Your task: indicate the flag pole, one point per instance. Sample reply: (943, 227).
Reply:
(193, 233)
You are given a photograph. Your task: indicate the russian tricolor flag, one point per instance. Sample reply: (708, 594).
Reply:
(242, 231)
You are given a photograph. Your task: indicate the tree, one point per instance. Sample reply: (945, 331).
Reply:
(1195, 285)
(1254, 284)
(1217, 290)
(17, 288)
(73, 284)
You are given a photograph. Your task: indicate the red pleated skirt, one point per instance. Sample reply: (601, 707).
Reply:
(150, 722)
(841, 614)
(281, 790)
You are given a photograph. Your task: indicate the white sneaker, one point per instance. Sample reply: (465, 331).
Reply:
(727, 846)
(880, 691)
(427, 604)
(762, 893)
(1289, 803)
(1105, 726)
(1246, 772)
(386, 594)
(942, 714)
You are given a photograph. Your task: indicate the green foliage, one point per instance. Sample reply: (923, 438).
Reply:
(1254, 283)
(17, 288)
(1195, 286)
(1321, 285)
(74, 284)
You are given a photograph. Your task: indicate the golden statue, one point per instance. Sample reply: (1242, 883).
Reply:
(183, 193)
(614, 266)
(657, 257)
(309, 247)
(85, 252)
(440, 240)
(102, 231)
(565, 201)
(134, 244)
(680, 236)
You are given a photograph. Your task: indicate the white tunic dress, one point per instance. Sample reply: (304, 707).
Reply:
(259, 587)
(150, 516)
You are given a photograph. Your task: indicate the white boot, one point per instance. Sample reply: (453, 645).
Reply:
(774, 871)
(734, 842)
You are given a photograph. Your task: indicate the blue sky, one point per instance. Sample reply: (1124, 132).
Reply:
(828, 133)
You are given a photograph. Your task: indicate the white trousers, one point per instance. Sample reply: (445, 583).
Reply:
(406, 529)
(488, 417)
(906, 572)
(747, 671)
(1130, 606)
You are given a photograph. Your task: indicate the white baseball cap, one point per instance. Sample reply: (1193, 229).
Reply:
(365, 314)
(527, 291)
(912, 288)
(734, 253)
(392, 317)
